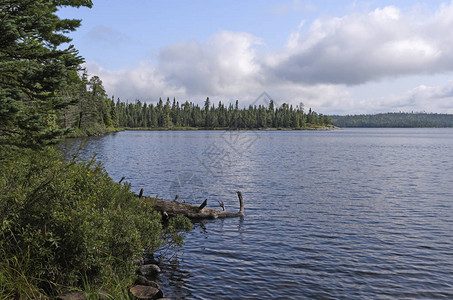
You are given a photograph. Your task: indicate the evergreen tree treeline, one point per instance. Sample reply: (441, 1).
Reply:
(172, 114)
(93, 112)
(408, 120)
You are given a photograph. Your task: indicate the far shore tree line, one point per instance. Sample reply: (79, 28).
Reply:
(170, 114)
(395, 120)
(95, 109)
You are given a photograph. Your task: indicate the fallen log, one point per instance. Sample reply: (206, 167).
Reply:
(194, 212)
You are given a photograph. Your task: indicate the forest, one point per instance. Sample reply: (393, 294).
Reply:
(94, 113)
(408, 120)
(170, 114)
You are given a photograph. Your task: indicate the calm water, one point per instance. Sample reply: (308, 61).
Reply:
(351, 214)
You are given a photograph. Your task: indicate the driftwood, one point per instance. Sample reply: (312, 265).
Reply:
(194, 212)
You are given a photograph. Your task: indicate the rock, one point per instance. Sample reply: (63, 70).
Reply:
(149, 270)
(73, 296)
(144, 292)
(142, 280)
(82, 296)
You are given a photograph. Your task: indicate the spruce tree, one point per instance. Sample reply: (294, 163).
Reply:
(34, 69)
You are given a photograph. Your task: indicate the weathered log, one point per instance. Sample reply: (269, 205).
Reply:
(194, 212)
(241, 202)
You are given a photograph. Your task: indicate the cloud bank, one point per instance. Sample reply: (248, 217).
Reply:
(319, 65)
(359, 48)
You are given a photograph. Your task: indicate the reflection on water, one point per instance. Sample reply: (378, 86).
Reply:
(352, 214)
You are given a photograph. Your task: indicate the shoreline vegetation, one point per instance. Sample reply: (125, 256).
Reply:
(65, 225)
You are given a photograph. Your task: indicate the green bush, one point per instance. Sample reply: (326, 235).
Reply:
(63, 223)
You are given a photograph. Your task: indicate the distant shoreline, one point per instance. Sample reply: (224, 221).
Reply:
(394, 120)
(226, 128)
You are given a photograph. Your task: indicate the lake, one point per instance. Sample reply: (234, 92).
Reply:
(352, 213)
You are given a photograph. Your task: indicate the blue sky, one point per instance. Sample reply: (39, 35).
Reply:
(334, 56)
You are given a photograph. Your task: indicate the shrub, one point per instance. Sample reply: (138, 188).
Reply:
(64, 221)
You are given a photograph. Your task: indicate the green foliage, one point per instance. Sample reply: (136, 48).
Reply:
(62, 224)
(34, 69)
(394, 120)
(173, 234)
(141, 115)
(62, 221)
(92, 112)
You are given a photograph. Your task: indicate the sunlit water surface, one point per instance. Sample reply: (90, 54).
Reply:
(352, 214)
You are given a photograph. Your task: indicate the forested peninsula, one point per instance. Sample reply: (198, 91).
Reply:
(406, 120)
(173, 115)
(96, 113)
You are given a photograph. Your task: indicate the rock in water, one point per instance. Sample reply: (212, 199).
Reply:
(142, 280)
(149, 270)
(144, 292)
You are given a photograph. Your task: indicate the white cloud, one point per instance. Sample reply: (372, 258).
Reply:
(142, 82)
(359, 48)
(425, 98)
(318, 66)
(226, 64)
